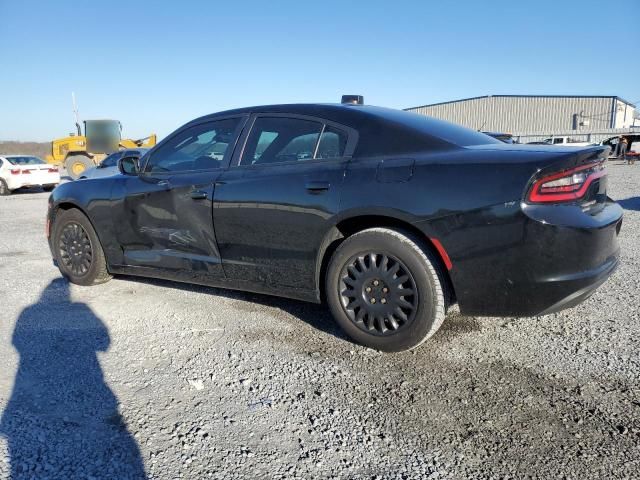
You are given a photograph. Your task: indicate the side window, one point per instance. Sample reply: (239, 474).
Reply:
(557, 141)
(201, 147)
(332, 143)
(280, 139)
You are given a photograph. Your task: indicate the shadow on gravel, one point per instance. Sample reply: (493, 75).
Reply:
(632, 203)
(62, 419)
(317, 316)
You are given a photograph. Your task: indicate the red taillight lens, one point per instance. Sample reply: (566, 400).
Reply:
(53, 170)
(15, 171)
(26, 171)
(566, 186)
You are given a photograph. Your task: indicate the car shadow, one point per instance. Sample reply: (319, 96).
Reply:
(317, 316)
(632, 203)
(62, 420)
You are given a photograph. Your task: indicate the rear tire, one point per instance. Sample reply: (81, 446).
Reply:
(49, 188)
(386, 290)
(4, 188)
(77, 249)
(76, 164)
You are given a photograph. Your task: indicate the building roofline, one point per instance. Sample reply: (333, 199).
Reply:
(523, 96)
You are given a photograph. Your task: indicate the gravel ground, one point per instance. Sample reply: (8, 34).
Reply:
(139, 378)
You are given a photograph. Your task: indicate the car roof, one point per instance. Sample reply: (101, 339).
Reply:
(382, 131)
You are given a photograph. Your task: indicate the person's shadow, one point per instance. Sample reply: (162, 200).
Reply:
(62, 420)
(631, 203)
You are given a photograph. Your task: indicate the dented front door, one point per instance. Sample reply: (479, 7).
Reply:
(164, 218)
(170, 226)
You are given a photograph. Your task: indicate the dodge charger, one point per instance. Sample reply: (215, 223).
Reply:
(386, 216)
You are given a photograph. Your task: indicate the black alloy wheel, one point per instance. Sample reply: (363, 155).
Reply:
(386, 289)
(378, 293)
(77, 249)
(76, 253)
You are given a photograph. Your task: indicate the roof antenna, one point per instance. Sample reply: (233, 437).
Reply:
(75, 113)
(482, 127)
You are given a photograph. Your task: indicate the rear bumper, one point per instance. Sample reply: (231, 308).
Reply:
(578, 287)
(16, 182)
(533, 260)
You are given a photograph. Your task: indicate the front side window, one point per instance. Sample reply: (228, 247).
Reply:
(201, 147)
(557, 141)
(280, 139)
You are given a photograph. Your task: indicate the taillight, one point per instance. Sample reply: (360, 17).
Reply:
(26, 171)
(15, 171)
(53, 170)
(566, 186)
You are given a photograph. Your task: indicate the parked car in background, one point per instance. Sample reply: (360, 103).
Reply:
(22, 171)
(562, 140)
(387, 216)
(109, 166)
(503, 137)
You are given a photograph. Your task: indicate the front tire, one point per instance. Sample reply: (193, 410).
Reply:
(77, 249)
(76, 164)
(386, 290)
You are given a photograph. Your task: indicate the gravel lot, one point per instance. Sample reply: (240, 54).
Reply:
(139, 378)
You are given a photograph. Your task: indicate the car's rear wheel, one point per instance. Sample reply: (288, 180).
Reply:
(4, 188)
(77, 249)
(48, 188)
(386, 290)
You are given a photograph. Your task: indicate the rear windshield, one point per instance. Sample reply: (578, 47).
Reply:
(447, 131)
(25, 160)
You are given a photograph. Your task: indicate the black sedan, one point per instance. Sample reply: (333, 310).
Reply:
(387, 216)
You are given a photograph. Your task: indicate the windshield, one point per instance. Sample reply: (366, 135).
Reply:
(25, 160)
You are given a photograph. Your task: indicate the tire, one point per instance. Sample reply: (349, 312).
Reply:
(390, 305)
(48, 188)
(4, 188)
(76, 164)
(73, 236)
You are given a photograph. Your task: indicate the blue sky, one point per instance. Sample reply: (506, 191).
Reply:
(156, 65)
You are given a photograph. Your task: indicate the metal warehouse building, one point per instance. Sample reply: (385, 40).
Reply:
(533, 117)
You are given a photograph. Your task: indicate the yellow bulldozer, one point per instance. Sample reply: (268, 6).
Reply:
(101, 137)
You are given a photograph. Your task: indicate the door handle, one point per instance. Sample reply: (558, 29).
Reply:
(198, 194)
(317, 186)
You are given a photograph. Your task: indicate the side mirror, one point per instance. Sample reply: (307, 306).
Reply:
(128, 166)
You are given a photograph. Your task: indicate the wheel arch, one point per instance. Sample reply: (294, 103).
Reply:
(348, 226)
(67, 205)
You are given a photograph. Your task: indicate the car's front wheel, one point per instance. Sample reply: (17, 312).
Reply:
(77, 249)
(386, 290)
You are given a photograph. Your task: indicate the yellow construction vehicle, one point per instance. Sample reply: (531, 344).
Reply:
(77, 152)
(101, 137)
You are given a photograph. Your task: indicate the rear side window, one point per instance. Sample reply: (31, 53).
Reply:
(280, 139)
(332, 143)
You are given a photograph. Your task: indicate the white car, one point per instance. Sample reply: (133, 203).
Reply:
(18, 171)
